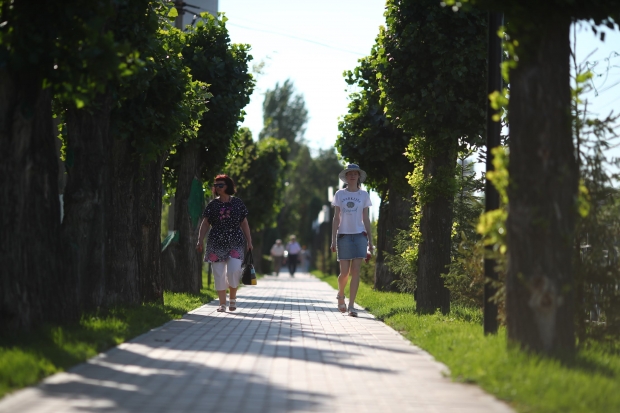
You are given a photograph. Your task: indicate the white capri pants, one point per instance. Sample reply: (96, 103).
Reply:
(226, 273)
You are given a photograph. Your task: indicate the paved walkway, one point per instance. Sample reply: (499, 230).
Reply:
(286, 349)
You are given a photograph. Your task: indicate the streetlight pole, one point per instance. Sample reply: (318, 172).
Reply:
(493, 140)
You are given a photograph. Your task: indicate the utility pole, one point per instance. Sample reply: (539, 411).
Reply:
(181, 7)
(178, 23)
(493, 140)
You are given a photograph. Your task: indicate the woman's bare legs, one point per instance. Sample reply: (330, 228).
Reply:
(354, 271)
(352, 268)
(343, 277)
(222, 296)
(233, 299)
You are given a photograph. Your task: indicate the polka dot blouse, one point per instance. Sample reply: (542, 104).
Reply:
(225, 238)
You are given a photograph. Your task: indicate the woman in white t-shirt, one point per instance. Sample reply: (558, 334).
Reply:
(351, 236)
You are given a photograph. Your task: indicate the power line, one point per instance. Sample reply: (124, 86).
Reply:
(183, 4)
(298, 38)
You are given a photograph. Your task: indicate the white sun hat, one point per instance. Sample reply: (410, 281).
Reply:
(352, 167)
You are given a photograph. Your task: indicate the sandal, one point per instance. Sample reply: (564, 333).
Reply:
(352, 312)
(221, 309)
(232, 305)
(341, 307)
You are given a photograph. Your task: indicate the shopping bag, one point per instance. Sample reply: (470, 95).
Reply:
(248, 275)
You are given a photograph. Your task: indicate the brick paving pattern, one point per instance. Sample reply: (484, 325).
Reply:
(285, 349)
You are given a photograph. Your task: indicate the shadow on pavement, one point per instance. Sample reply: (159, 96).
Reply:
(180, 366)
(173, 386)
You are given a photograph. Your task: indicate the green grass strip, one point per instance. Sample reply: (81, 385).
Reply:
(26, 358)
(588, 383)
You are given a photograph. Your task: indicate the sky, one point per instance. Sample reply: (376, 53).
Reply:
(310, 42)
(601, 55)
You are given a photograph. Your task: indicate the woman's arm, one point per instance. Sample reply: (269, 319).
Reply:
(335, 225)
(245, 227)
(204, 228)
(368, 227)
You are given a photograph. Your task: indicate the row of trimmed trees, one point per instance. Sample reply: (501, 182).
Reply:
(421, 101)
(140, 108)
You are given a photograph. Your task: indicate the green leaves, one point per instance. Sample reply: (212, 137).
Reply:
(162, 104)
(284, 115)
(92, 48)
(258, 169)
(367, 134)
(173, 13)
(499, 102)
(436, 69)
(212, 60)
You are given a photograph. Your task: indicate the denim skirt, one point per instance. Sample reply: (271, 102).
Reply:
(351, 246)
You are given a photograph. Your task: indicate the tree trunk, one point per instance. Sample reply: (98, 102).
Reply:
(34, 285)
(149, 219)
(123, 228)
(544, 176)
(181, 264)
(435, 231)
(84, 224)
(133, 248)
(394, 215)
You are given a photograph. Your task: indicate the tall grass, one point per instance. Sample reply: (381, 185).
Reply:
(589, 382)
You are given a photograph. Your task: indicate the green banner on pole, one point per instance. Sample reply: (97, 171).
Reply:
(195, 204)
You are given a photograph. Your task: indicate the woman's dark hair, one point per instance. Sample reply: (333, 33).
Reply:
(230, 184)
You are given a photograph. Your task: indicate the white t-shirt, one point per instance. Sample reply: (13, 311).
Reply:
(351, 206)
(277, 250)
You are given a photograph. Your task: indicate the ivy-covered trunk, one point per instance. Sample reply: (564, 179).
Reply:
(84, 224)
(436, 229)
(544, 175)
(34, 285)
(181, 263)
(394, 215)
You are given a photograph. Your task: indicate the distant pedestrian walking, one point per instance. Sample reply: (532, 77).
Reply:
(293, 250)
(229, 236)
(351, 233)
(277, 255)
(304, 259)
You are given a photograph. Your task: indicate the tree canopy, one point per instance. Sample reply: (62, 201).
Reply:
(214, 60)
(368, 135)
(431, 70)
(284, 115)
(258, 168)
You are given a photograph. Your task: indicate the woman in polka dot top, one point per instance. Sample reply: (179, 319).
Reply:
(229, 237)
